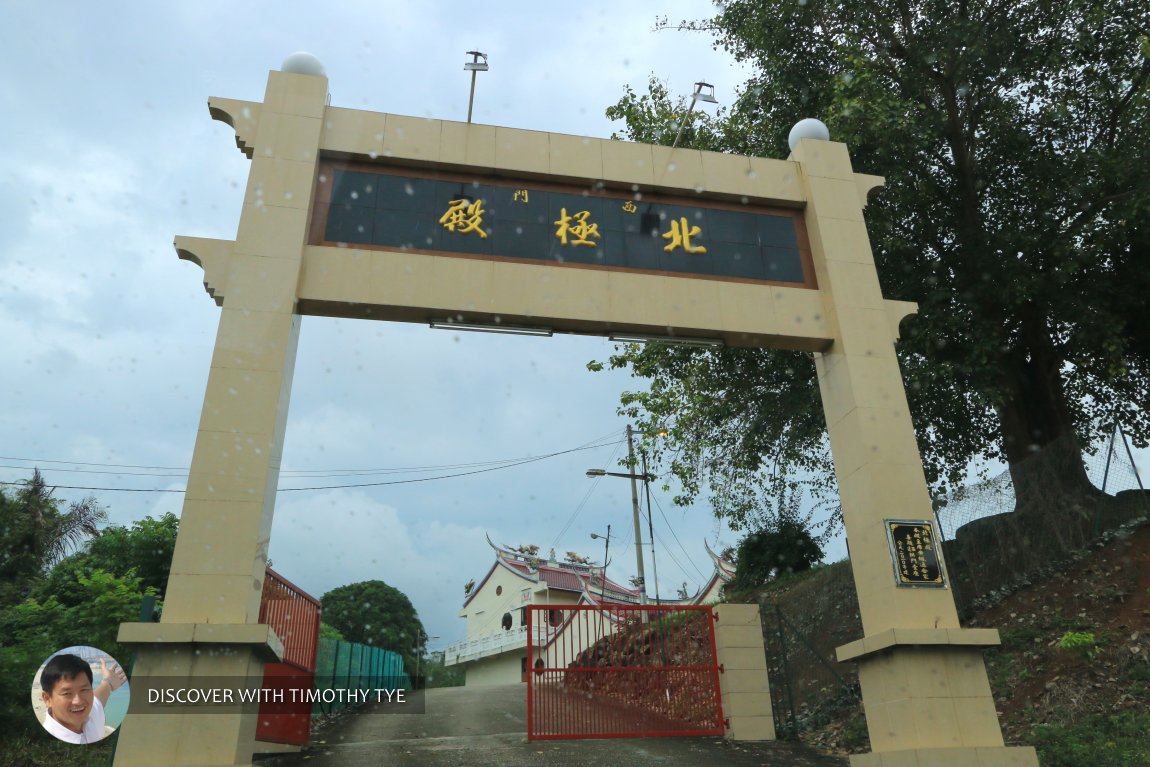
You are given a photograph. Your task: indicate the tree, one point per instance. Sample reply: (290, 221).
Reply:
(373, 613)
(49, 600)
(782, 543)
(35, 533)
(786, 546)
(1014, 139)
(143, 550)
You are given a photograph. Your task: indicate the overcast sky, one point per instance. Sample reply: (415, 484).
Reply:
(108, 152)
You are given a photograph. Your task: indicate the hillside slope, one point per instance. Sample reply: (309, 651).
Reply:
(1072, 676)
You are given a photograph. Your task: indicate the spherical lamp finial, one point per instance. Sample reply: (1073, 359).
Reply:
(808, 128)
(302, 63)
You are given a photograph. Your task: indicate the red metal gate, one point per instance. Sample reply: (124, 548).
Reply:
(294, 615)
(621, 671)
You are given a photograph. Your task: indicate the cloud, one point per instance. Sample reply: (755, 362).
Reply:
(338, 537)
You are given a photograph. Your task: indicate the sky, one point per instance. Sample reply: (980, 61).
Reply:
(108, 152)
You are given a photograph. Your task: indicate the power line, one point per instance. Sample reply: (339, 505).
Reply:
(86, 463)
(502, 465)
(97, 471)
(586, 497)
(300, 473)
(672, 529)
(670, 554)
(445, 476)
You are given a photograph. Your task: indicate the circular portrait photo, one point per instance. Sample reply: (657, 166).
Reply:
(80, 694)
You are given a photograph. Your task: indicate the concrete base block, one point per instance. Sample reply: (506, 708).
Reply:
(751, 728)
(1007, 756)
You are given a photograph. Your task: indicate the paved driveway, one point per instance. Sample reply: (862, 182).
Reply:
(487, 726)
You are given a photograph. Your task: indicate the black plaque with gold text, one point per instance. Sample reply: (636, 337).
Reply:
(915, 554)
(362, 206)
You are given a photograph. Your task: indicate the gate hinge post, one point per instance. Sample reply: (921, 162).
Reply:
(721, 669)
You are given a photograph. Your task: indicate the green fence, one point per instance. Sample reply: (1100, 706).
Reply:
(343, 665)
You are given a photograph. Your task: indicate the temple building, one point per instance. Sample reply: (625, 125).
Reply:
(495, 651)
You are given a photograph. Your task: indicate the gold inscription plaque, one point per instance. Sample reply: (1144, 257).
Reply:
(914, 552)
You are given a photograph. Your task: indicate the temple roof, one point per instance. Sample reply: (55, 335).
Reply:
(584, 579)
(725, 569)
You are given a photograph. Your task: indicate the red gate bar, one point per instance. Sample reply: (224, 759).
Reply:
(622, 671)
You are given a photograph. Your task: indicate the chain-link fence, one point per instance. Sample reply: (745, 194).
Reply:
(801, 630)
(1027, 519)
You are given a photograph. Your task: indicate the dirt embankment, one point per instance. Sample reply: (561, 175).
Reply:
(1075, 644)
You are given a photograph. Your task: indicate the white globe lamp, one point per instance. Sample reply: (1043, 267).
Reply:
(808, 128)
(302, 63)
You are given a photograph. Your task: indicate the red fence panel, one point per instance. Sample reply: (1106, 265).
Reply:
(622, 671)
(294, 615)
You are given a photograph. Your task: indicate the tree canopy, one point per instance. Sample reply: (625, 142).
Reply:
(1014, 139)
(374, 613)
(36, 532)
(49, 600)
(143, 550)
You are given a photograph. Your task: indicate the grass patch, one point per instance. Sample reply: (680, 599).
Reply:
(1021, 637)
(42, 750)
(1121, 740)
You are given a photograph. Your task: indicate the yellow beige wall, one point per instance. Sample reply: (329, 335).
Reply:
(746, 692)
(501, 669)
(484, 613)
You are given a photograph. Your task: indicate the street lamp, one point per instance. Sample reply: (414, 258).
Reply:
(704, 92)
(474, 66)
(606, 548)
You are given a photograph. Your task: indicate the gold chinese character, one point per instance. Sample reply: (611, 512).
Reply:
(680, 236)
(630, 207)
(581, 230)
(465, 215)
(520, 196)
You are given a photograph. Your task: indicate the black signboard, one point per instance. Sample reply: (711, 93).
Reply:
(914, 550)
(532, 221)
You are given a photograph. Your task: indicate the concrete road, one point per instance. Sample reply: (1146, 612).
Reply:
(487, 727)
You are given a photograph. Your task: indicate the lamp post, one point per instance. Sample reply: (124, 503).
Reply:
(606, 548)
(634, 508)
(474, 66)
(707, 96)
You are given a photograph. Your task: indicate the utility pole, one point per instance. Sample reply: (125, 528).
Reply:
(635, 510)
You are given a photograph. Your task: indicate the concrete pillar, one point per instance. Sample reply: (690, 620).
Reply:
(743, 682)
(209, 627)
(922, 676)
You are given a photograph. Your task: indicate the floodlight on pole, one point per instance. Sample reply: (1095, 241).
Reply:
(474, 66)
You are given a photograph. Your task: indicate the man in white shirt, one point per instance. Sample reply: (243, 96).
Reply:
(75, 708)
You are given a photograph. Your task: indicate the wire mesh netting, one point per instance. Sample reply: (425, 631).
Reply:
(1037, 513)
(1111, 469)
